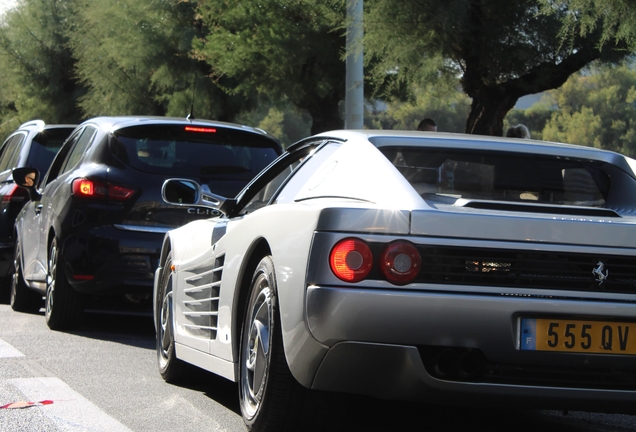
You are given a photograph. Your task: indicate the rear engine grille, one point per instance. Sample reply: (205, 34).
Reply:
(526, 269)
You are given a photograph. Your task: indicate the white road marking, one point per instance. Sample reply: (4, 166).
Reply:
(7, 350)
(70, 411)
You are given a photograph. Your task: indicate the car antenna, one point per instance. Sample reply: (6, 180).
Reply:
(194, 85)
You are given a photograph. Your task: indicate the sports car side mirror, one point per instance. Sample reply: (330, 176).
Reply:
(27, 178)
(185, 192)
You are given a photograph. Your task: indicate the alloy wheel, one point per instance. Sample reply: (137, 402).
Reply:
(257, 341)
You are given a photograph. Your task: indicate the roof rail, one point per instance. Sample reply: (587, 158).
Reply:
(37, 123)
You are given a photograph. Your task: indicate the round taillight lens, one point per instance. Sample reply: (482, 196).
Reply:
(351, 260)
(400, 262)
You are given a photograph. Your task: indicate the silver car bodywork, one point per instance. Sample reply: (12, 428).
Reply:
(442, 337)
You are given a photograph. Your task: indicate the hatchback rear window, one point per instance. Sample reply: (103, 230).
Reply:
(210, 152)
(502, 176)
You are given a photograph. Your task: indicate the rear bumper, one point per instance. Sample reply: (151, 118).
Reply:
(110, 261)
(418, 345)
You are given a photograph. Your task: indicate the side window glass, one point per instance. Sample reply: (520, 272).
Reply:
(60, 158)
(78, 150)
(267, 192)
(11, 152)
(304, 173)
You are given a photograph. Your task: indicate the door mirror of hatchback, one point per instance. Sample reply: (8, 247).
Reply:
(184, 192)
(27, 178)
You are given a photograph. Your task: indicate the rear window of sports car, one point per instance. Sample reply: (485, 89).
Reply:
(459, 173)
(173, 150)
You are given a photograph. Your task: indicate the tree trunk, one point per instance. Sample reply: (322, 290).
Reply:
(325, 116)
(487, 114)
(493, 96)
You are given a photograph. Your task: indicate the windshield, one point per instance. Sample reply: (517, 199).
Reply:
(211, 154)
(457, 173)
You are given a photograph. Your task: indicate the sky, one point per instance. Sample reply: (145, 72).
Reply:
(6, 4)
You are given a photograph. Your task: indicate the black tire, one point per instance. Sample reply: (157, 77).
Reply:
(172, 369)
(22, 298)
(270, 397)
(62, 304)
(5, 290)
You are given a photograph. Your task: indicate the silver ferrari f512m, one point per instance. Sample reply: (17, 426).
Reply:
(409, 265)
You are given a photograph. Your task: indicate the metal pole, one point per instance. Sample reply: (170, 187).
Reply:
(354, 96)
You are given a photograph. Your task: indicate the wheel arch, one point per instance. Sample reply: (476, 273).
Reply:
(166, 248)
(259, 250)
(16, 238)
(49, 240)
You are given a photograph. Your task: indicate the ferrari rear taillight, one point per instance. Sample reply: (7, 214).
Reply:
(351, 260)
(85, 188)
(400, 262)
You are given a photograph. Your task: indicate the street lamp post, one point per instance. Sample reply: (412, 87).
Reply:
(354, 96)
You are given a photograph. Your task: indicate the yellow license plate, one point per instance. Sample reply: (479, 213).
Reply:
(564, 335)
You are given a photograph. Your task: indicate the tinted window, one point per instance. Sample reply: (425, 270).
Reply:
(45, 146)
(501, 176)
(78, 150)
(305, 172)
(11, 152)
(285, 168)
(225, 159)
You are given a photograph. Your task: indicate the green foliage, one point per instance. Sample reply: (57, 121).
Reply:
(616, 19)
(132, 54)
(534, 118)
(37, 66)
(281, 49)
(501, 49)
(580, 127)
(449, 109)
(596, 109)
(282, 121)
(134, 57)
(279, 64)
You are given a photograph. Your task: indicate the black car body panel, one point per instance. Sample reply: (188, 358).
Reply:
(101, 198)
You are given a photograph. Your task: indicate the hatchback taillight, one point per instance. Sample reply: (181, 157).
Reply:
(15, 193)
(85, 188)
(351, 260)
(400, 262)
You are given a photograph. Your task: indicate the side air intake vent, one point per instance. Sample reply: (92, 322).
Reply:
(202, 306)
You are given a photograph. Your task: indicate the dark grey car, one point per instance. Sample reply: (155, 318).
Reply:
(34, 144)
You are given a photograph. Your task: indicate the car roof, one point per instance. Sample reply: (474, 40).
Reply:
(384, 138)
(455, 139)
(40, 125)
(120, 122)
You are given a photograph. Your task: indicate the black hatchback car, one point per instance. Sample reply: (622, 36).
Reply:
(96, 220)
(33, 144)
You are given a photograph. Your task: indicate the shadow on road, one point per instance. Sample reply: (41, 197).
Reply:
(371, 415)
(125, 327)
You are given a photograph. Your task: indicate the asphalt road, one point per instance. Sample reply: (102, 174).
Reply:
(103, 377)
